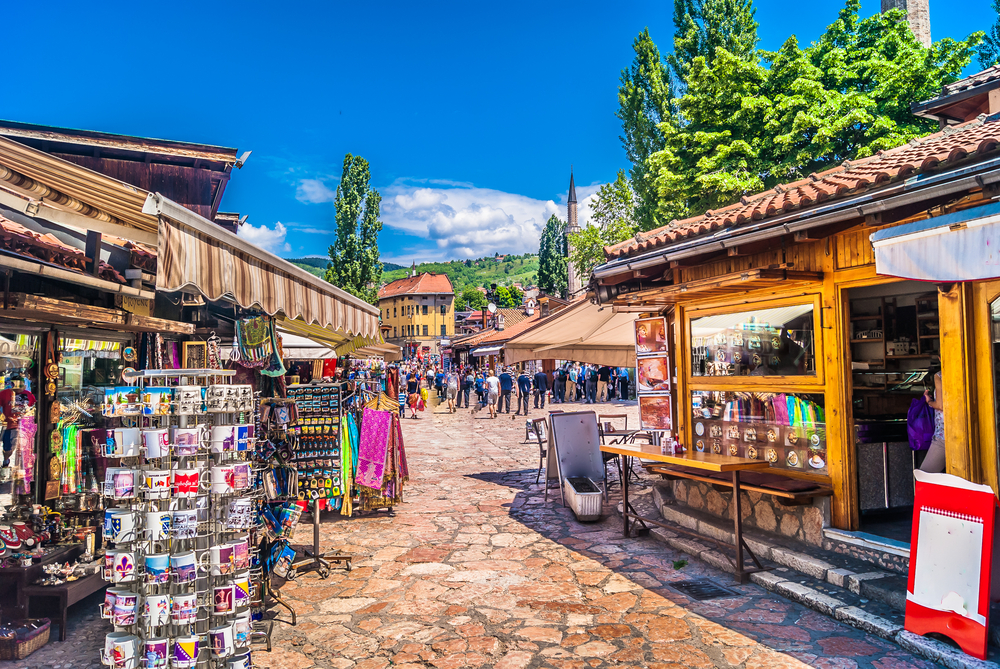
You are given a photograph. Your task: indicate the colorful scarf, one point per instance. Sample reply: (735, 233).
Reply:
(373, 448)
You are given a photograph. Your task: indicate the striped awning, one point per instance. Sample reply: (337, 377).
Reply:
(196, 255)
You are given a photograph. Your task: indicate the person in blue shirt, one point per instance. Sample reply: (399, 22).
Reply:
(506, 385)
(523, 390)
(439, 383)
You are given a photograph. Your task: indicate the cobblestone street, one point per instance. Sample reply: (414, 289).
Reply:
(475, 569)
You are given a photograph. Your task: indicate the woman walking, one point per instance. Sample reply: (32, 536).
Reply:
(451, 389)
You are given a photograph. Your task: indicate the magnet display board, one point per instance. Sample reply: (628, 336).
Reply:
(950, 560)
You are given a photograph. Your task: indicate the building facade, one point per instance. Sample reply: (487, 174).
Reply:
(418, 311)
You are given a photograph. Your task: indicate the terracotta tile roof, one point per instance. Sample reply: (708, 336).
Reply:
(975, 138)
(17, 239)
(509, 331)
(991, 73)
(426, 283)
(513, 320)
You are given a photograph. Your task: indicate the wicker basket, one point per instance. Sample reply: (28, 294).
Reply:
(24, 644)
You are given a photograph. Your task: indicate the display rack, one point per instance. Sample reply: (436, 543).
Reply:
(317, 459)
(182, 518)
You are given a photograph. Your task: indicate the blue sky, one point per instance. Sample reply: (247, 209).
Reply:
(469, 113)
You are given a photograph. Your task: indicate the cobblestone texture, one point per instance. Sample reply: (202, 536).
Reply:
(477, 570)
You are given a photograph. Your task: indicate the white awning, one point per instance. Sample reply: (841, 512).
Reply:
(583, 332)
(486, 350)
(964, 246)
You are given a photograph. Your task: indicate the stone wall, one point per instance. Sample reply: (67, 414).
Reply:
(804, 523)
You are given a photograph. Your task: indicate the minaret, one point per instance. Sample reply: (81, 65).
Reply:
(918, 15)
(573, 282)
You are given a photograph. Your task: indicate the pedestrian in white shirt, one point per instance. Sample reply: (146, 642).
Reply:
(493, 392)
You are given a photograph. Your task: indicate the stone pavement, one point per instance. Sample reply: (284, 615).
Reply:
(477, 570)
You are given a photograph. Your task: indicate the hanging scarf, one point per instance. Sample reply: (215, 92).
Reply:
(254, 341)
(346, 466)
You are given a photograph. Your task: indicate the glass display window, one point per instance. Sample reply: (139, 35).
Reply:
(786, 429)
(777, 341)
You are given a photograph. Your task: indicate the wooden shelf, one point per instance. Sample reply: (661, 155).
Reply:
(915, 356)
(872, 340)
(876, 317)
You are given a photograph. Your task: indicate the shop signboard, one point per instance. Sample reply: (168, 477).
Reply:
(951, 551)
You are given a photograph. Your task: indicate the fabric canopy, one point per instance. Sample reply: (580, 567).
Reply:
(198, 255)
(486, 350)
(964, 246)
(388, 352)
(295, 347)
(583, 332)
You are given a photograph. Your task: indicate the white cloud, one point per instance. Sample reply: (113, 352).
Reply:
(269, 239)
(468, 222)
(314, 191)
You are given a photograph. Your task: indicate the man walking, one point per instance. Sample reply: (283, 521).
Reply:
(492, 393)
(467, 382)
(590, 385)
(523, 390)
(439, 383)
(560, 380)
(571, 383)
(506, 385)
(603, 377)
(541, 387)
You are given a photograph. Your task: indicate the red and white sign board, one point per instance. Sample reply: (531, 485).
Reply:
(951, 553)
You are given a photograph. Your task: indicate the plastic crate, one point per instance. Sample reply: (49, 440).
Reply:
(584, 498)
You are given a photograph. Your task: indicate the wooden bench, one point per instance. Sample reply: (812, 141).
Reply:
(788, 491)
(68, 594)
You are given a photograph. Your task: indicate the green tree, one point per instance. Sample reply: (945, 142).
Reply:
(644, 102)
(989, 50)
(613, 221)
(354, 259)
(516, 296)
(552, 257)
(470, 299)
(504, 298)
(748, 125)
(702, 27)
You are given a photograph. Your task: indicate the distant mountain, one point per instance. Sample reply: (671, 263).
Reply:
(479, 272)
(317, 266)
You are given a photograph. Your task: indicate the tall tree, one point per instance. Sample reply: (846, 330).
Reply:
(701, 27)
(644, 102)
(989, 50)
(354, 259)
(750, 125)
(470, 299)
(613, 220)
(552, 257)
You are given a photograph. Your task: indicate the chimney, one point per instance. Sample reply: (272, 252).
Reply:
(918, 15)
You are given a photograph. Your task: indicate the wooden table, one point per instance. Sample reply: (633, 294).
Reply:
(68, 594)
(707, 461)
(13, 603)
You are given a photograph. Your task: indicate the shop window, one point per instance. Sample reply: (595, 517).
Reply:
(765, 342)
(787, 430)
(425, 310)
(425, 330)
(444, 309)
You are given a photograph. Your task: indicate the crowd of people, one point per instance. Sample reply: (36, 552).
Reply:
(496, 389)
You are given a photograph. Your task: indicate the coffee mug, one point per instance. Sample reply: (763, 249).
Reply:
(127, 442)
(222, 559)
(109, 564)
(126, 604)
(156, 610)
(240, 514)
(157, 484)
(157, 567)
(184, 524)
(188, 440)
(241, 475)
(244, 434)
(224, 597)
(223, 479)
(157, 443)
(242, 627)
(121, 650)
(241, 553)
(239, 662)
(241, 584)
(222, 640)
(184, 608)
(158, 524)
(110, 596)
(120, 482)
(223, 439)
(188, 482)
(156, 652)
(123, 567)
(185, 566)
(185, 651)
(120, 525)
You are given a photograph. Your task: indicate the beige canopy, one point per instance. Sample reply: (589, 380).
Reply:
(584, 332)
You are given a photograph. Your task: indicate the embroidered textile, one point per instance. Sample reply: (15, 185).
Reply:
(373, 449)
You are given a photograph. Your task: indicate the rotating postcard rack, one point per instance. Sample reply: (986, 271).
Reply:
(181, 521)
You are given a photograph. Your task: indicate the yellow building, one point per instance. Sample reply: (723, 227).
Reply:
(418, 312)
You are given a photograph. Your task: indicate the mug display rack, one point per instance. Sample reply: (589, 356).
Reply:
(182, 522)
